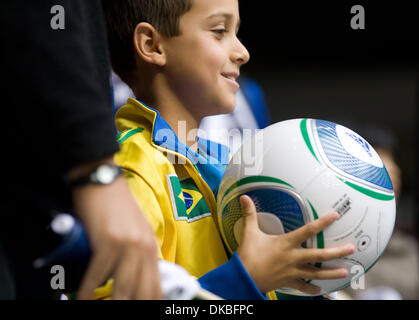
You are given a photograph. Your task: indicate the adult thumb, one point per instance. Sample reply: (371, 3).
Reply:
(250, 219)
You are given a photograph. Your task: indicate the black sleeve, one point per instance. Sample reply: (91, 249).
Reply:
(57, 109)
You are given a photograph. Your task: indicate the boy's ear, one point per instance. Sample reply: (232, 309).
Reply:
(147, 44)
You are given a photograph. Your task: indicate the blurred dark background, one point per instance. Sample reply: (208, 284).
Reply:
(311, 63)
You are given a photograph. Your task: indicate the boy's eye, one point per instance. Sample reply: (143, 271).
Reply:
(220, 31)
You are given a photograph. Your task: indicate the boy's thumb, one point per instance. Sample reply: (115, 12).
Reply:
(249, 212)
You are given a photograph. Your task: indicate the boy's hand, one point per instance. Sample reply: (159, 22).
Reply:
(279, 261)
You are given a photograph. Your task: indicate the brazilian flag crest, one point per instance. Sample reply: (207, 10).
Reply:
(187, 201)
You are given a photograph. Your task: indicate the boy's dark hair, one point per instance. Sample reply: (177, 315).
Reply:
(121, 18)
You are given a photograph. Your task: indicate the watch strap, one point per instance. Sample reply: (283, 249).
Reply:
(92, 176)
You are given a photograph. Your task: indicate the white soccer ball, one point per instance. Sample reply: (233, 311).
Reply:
(298, 170)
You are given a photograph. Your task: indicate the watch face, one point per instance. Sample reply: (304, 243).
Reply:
(105, 174)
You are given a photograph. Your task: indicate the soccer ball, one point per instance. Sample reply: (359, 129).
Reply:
(298, 170)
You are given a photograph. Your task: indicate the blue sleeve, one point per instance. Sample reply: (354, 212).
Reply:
(231, 281)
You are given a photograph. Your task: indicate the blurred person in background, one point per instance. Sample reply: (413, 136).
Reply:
(395, 275)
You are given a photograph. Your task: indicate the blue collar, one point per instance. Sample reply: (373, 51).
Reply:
(211, 159)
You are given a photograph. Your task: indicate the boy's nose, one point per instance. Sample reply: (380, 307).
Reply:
(240, 55)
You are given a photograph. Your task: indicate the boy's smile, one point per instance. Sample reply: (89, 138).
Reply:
(231, 78)
(204, 61)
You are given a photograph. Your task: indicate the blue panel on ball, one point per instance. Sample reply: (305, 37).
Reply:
(277, 202)
(344, 161)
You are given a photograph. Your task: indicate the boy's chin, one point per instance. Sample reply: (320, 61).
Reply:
(222, 108)
(227, 107)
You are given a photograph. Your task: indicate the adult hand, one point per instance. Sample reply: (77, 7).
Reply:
(122, 242)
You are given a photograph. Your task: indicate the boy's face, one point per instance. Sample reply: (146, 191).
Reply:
(203, 62)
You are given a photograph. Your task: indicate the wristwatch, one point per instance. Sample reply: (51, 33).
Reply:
(102, 175)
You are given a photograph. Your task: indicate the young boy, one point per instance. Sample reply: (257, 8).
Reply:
(182, 59)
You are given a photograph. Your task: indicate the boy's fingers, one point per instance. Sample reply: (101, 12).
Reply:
(311, 229)
(320, 255)
(303, 286)
(249, 212)
(312, 272)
